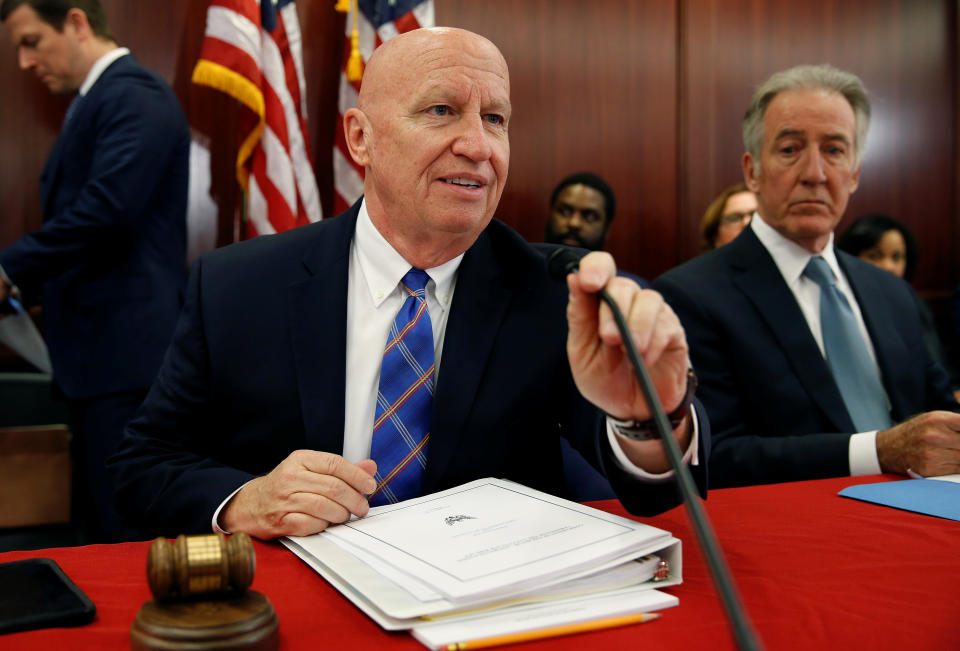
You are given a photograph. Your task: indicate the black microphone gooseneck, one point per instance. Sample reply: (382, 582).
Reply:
(564, 261)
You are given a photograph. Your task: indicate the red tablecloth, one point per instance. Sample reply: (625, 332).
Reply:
(816, 571)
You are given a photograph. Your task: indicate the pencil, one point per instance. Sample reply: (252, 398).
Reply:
(554, 631)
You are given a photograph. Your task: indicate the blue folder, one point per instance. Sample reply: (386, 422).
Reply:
(928, 496)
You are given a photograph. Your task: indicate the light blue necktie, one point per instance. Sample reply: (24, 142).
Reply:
(853, 369)
(401, 427)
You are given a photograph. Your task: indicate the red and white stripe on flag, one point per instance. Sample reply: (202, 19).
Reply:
(377, 21)
(254, 54)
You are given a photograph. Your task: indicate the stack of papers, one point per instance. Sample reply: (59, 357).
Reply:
(489, 558)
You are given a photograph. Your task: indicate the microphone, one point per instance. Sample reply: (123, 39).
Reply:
(564, 261)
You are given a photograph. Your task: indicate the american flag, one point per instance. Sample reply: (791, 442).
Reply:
(377, 21)
(252, 51)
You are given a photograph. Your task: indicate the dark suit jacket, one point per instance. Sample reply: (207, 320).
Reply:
(775, 411)
(110, 257)
(257, 369)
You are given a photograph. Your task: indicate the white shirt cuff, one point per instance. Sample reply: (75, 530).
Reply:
(863, 454)
(690, 457)
(215, 521)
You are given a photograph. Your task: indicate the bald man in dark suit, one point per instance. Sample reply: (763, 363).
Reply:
(262, 417)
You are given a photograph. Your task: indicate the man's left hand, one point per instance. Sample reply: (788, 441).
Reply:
(598, 358)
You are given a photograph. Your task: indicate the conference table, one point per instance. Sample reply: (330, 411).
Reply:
(814, 570)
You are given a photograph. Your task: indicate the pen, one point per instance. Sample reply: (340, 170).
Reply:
(554, 631)
(15, 304)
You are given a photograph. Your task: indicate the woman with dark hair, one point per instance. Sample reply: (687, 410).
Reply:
(884, 242)
(888, 244)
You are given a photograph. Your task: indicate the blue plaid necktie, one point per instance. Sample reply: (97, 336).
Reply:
(853, 369)
(401, 427)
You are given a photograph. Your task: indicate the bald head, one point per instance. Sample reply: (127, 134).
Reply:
(402, 59)
(430, 131)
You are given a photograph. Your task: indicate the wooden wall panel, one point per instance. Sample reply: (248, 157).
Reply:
(30, 117)
(955, 81)
(167, 38)
(323, 30)
(593, 90)
(904, 50)
(29, 123)
(648, 94)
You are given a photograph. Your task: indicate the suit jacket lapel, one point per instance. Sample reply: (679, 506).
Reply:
(758, 277)
(480, 303)
(317, 314)
(51, 170)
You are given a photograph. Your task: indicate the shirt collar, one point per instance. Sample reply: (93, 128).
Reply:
(99, 66)
(791, 258)
(383, 267)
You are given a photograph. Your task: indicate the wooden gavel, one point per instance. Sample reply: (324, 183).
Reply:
(200, 597)
(200, 565)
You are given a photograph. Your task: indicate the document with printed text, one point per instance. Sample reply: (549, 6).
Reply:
(495, 538)
(484, 549)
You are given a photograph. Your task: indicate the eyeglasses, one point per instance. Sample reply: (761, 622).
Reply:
(736, 217)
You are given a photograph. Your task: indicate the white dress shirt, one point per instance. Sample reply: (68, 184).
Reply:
(99, 66)
(791, 259)
(373, 299)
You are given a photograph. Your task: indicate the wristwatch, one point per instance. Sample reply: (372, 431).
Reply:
(646, 430)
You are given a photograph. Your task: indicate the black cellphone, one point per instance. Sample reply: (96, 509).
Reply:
(35, 593)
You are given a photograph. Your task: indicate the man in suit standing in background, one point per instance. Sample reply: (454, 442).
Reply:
(109, 259)
(409, 345)
(807, 356)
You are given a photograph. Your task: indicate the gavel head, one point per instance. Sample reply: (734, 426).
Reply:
(200, 565)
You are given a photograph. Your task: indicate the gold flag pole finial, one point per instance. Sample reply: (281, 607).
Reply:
(354, 63)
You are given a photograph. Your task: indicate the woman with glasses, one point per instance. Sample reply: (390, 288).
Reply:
(726, 216)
